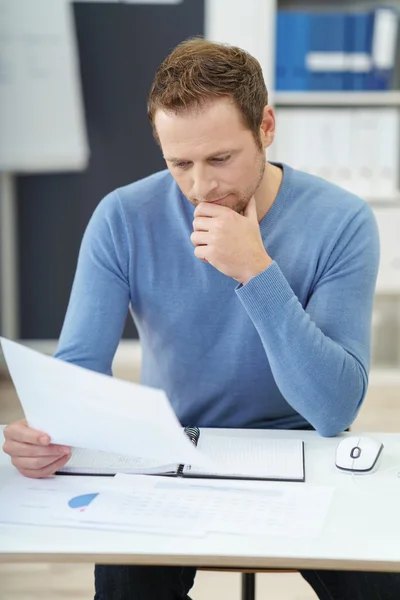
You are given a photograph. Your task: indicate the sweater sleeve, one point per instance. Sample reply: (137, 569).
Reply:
(320, 354)
(100, 293)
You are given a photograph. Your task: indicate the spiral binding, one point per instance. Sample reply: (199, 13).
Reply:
(193, 434)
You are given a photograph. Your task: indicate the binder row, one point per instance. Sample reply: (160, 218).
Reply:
(336, 50)
(354, 147)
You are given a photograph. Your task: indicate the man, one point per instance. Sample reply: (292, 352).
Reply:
(251, 285)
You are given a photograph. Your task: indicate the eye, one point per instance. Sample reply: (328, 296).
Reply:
(220, 160)
(181, 165)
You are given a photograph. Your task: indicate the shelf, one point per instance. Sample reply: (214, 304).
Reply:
(383, 201)
(380, 377)
(336, 98)
(387, 291)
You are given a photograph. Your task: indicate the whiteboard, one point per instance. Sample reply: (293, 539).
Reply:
(42, 124)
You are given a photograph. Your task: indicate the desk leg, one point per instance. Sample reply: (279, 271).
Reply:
(248, 586)
(9, 304)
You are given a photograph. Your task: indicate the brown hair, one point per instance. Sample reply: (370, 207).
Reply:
(197, 71)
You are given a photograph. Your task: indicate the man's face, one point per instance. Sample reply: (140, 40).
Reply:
(211, 155)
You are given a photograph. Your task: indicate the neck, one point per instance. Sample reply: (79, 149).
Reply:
(268, 189)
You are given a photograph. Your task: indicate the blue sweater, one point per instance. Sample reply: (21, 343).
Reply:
(288, 349)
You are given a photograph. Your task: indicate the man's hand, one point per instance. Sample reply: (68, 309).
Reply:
(31, 451)
(230, 242)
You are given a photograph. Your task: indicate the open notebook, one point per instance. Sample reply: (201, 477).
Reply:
(237, 458)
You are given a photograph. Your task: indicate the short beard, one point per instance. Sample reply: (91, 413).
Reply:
(247, 194)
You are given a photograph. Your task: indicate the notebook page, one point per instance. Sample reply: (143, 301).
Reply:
(84, 460)
(259, 458)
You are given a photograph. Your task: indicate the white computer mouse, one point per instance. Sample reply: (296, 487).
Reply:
(358, 453)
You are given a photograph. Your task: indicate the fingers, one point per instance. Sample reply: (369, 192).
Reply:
(31, 451)
(208, 209)
(14, 448)
(36, 463)
(201, 224)
(251, 209)
(21, 432)
(201, 253)
(45, 471)
(200, 238)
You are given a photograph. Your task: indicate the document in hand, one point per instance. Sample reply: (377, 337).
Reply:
(78, 407)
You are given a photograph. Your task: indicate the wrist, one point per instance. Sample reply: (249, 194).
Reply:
(256, 269)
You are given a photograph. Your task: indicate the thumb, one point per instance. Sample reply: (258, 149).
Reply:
(251, 210)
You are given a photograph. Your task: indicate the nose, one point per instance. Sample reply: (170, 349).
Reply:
(203, 183)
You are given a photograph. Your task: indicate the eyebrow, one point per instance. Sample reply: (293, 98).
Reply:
(213, 155)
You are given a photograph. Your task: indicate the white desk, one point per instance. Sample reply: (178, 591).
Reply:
(362, 531)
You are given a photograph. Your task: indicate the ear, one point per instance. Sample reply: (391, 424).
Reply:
(267, 128)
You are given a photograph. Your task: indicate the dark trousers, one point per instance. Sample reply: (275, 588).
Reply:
(174, 583)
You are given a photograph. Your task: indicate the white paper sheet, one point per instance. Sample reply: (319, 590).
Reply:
(78, 407)
(64, 502)
(297, 511)
(167, 506)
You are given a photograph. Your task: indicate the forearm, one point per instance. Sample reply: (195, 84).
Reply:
(318, 377)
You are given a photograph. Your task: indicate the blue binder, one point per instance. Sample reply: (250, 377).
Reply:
(293, 31)
(384, 37)
(328, 38)
(283, 60)
(359, 26)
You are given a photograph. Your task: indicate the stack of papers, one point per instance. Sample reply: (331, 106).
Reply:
(152, 504)
(81, 408)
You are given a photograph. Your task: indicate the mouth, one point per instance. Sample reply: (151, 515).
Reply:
(218, 201)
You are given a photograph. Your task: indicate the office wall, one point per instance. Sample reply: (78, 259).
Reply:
(120, 47)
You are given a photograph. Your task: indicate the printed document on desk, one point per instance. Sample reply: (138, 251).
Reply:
(82, 408)
(64, 502)
(167, 506)
(237, 508)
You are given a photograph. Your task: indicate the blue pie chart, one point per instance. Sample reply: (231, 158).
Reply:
(81, 502)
